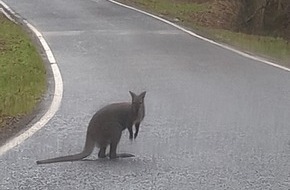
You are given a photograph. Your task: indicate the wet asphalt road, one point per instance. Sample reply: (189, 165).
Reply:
(215, 120)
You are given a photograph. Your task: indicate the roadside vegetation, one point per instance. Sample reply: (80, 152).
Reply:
(274, 48)
(22, 73)
(257, 26)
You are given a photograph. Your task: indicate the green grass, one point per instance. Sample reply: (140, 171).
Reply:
(178, 9)
(269, 47)
(22, 72)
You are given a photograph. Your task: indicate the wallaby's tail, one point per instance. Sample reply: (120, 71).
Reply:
(88, 149)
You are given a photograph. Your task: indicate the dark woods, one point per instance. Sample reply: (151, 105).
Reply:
(269, 17)
(261, 17)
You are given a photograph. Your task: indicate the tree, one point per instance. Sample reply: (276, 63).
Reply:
(267, 16)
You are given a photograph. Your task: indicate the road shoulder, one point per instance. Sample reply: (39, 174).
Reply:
(19, 126)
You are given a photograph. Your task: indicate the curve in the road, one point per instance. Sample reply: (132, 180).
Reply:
(58, 89)
(58, 79)
(256, 58)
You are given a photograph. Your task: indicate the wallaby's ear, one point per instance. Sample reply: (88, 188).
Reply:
(133, 95)
(142, 95)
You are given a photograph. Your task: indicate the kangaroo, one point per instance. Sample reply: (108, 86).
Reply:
(106, 126)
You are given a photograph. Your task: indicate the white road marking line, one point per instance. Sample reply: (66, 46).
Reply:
(58, 79)
(58, 92)
(43, 43)
(7, 15)
(256, 58)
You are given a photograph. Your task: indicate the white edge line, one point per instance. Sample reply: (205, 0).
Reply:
(58, 79)
(256, 58)
(44, 44)
(58, 91)
(7, 15)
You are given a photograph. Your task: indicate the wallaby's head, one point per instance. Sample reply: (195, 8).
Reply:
(137, 101)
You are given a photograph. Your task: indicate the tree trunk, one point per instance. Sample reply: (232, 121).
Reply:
(258, 20)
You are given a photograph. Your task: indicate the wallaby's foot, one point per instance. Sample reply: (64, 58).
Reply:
(102, 156)
(102, 153)
(125, 155)
(122, 155)
(113, 156)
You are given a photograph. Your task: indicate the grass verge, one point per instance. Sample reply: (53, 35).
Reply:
(187, 12)
(276, 49)
(22, 73)
(180, 9)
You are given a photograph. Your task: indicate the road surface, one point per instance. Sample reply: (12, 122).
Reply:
(215, 119)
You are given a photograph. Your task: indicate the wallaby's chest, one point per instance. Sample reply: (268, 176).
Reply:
(140, 115)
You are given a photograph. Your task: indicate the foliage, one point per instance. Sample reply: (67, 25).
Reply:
(22, 72)
(267, 17)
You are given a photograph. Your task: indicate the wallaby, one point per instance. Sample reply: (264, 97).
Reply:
(106, 126)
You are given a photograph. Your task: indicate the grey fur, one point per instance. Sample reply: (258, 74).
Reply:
(106, 126)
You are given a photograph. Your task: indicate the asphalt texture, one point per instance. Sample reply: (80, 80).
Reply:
(214, 119)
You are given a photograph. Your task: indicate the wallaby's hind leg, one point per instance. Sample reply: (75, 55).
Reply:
(102, 152)
(114, 136)
(113, 150)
